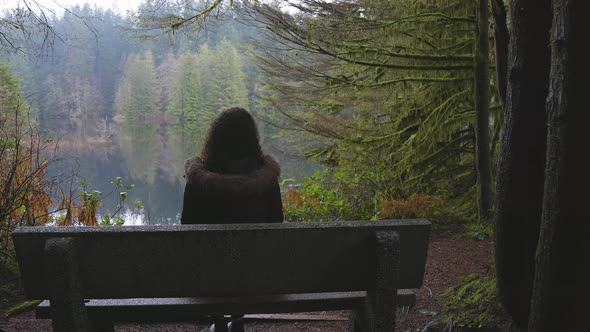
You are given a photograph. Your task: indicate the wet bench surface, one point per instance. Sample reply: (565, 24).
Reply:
(183, 272)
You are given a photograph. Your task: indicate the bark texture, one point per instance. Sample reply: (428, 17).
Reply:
(521, 163)
(561, 291)
(482, 111)
(501, 38)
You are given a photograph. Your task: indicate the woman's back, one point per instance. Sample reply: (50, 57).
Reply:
(247, 195)
(232, 181)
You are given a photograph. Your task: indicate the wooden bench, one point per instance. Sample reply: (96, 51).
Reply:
(93, 276)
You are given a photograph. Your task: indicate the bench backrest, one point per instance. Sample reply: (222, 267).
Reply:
(219, 260)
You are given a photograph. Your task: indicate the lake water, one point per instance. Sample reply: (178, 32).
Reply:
(151, 158)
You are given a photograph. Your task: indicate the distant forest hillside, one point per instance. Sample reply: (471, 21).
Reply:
(100, 67)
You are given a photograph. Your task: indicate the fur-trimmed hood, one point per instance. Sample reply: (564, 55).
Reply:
(257, 181)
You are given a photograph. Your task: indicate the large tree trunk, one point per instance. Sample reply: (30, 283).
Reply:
(482, 111)
(521, 164)
(562, 289)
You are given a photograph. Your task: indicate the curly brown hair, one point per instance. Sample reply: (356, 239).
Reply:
(232, 144)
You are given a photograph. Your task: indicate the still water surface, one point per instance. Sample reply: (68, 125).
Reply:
(151, 158)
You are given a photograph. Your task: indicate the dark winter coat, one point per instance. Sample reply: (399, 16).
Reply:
(217, 198)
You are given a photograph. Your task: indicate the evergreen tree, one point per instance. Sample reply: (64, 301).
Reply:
(138, 90)
(185, 101)
(10, 93)
(205, 66)
(165, 76)
(387, 86)
(208, 82)
(229, 90)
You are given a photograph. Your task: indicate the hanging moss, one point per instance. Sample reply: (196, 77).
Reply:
(22, 307)
(473, 304)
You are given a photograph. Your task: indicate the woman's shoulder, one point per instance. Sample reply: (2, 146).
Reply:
(271, 166)
(259, 180)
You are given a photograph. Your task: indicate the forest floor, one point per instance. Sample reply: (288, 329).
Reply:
(448, 260)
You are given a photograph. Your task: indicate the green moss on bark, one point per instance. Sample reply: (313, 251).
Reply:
(474, 304)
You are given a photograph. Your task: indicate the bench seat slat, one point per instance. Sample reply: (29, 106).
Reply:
(190, 309)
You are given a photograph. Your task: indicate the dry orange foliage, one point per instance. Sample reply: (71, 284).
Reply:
(24, 189)
(85, 212)
(24, 194)
(298, 199)
(418, 206)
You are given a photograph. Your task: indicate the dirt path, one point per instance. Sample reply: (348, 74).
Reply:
(447, 261)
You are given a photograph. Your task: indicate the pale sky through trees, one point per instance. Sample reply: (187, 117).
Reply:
(58, 7)
(120, 6)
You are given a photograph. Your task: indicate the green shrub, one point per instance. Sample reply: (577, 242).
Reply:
(321, 197)
(473, 304)
(339, 195)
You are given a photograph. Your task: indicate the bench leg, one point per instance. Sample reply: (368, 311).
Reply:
(357, 321)
(61, 269)
(378, 313)
(381, 300)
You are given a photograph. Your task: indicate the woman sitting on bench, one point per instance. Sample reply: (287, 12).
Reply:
(232, 181)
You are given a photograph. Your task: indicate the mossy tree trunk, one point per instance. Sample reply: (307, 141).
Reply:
(482, 111)
(521, 164)
(561, 288)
